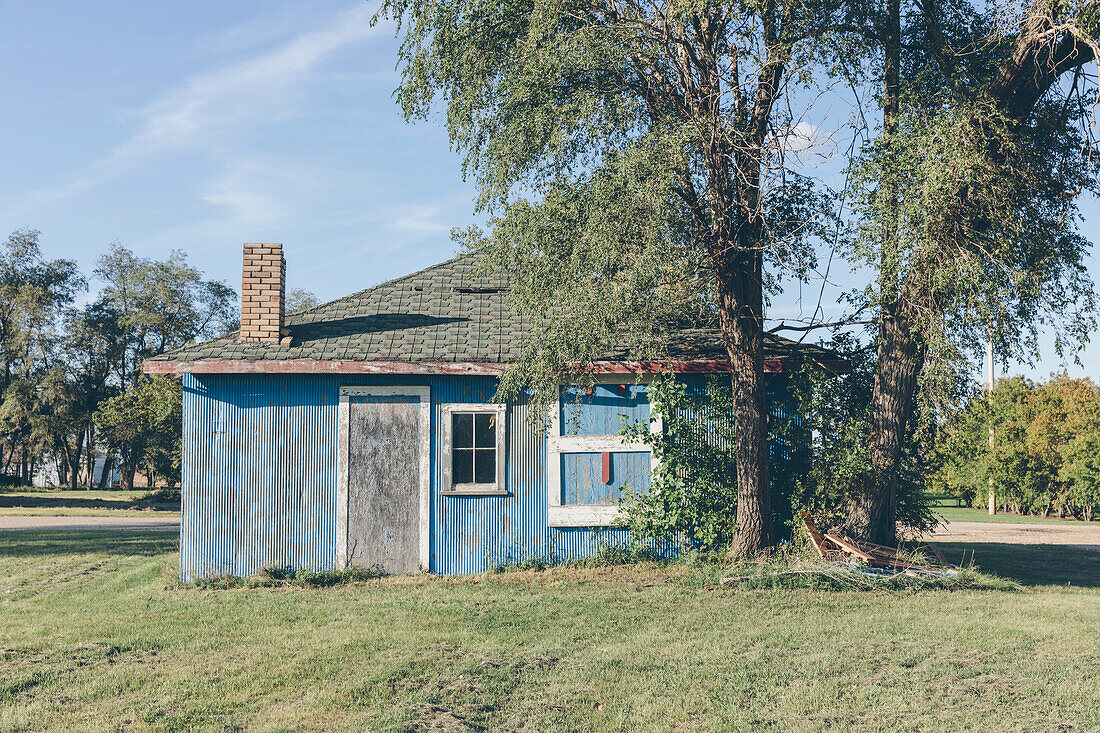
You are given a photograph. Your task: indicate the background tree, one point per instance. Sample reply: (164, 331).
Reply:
(33, 293)
(149, 307)
(144, 426)
(300, 299)
(59, 363)
(1040, 461)
(631, 156)
(83, 365)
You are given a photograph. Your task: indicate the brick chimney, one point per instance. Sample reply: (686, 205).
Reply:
(263, 286)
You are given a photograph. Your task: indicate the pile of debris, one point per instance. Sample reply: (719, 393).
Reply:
(876, 559)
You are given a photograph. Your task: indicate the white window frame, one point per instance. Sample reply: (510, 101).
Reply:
(590, 515)
(344, 433)
(498, 487)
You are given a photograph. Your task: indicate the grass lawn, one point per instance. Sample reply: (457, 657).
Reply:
(80, 503)
(95, 635)
(947, 510)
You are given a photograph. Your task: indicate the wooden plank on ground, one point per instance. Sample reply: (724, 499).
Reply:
(850, 547)
(815, 535)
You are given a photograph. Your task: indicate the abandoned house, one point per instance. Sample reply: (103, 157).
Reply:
(364, 431)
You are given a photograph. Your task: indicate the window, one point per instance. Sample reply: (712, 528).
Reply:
(473, 449)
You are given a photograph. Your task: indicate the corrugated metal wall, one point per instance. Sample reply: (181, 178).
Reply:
(259, 479)
(247, 501)
(259, 476)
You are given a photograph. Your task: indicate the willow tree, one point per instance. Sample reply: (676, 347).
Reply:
(629, 156)
(970, 198)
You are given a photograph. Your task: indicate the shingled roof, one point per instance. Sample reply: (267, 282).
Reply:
(451, 317)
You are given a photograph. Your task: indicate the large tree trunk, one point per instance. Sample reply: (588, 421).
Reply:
(872, 505)
(871, 508)
(89, 460)
(74, 471)
(741, 318)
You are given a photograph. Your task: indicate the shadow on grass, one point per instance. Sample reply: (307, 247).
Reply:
(28, 542)
(54, 502)
(1030, 564)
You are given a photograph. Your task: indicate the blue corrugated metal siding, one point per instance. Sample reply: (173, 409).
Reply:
(246, 500)
(576, 543)
(582, 480)
(259, 476)
(604, 411)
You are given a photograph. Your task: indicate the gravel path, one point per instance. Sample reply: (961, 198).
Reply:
(24, 522)
(1080, 535)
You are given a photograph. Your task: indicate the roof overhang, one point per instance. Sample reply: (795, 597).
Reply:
(310, 366)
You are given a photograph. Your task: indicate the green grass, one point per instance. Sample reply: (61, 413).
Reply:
(81, 503)
(947, 510)
(96, 635)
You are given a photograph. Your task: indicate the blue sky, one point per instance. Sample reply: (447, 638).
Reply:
(202, 125)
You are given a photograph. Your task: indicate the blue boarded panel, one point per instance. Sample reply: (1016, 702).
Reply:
(604, 411)
(582, 477)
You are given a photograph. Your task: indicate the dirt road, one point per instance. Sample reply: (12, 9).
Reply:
(26, 522)
(1077, 534)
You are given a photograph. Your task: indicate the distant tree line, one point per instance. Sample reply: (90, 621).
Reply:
(1044, 454)
(71, 385)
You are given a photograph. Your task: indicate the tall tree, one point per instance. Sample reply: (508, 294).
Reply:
(971, 197)
(631, 156)
(34, 292)
(150, 306)
(81, 378)
(159, 305)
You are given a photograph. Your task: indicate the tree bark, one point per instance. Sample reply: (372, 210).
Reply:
(74, 470)
(89, 460)
(872, 510)
(741, 318)
(127, 478)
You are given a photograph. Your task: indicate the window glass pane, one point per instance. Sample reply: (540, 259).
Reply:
(485, 466)
(462, 466)
(485, 429)
(462, 430)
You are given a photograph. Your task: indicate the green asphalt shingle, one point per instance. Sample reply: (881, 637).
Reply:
(451, 312)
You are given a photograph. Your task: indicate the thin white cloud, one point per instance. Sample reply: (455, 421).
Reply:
(799, 137)
(419, 221)
(245, 194)
(212, 105)
(254, 88)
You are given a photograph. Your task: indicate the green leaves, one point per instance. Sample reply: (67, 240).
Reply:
(620, 150)
(1044, 453)
(692, 495)
(145, 423)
